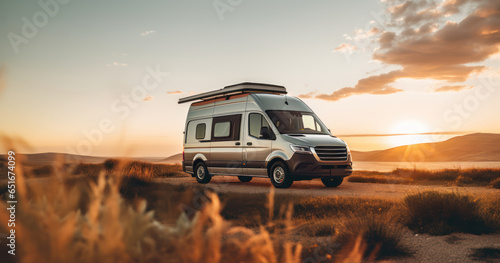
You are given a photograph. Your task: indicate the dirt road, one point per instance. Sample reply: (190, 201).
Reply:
(316, 188)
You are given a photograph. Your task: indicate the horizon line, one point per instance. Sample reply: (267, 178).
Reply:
(402, 134)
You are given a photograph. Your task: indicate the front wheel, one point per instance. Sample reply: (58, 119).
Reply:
(280, 176)
(201, 172)
(245, 179)
(332, 182)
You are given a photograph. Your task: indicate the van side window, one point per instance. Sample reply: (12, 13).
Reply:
(226, 128)
(222, 129)
(256, 123)
(200, 131)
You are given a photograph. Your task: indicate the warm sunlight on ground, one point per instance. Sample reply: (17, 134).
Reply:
(411, 133)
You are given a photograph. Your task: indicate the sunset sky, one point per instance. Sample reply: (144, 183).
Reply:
(72, 73)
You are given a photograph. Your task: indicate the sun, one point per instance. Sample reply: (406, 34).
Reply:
(408, 132)
(409, 127)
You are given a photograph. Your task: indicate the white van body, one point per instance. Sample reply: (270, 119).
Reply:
(255, 130)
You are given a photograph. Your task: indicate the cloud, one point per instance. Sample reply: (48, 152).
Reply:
(175, 92)
(147, 33)
(345, 48)
(452, 88)
(148, 98)
(117, 64)
(308, 95)
(377, 84)
(418, 39)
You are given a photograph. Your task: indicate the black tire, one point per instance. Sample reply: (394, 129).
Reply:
(280, 175)
(332, 181)
(201, 173)
(245, 179)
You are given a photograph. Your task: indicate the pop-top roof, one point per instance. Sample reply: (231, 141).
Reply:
(245, 87)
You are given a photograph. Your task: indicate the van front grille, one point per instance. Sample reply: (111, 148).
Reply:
(331, 153)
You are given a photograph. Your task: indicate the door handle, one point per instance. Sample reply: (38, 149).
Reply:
(237, 143)
(249, 143)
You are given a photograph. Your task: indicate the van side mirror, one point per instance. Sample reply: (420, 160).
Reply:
(266, 133)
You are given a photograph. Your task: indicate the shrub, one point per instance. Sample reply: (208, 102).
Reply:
(45, 170)
(496, 183)
(380, 236)
(444, 213)
(485, 254)
(110, 164)
(318, 228)
(463, 180)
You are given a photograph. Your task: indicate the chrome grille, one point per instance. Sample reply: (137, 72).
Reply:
(331, 153)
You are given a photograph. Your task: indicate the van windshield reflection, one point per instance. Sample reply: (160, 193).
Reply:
(296, 122)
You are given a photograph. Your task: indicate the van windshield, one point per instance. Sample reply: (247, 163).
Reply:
(298, 122)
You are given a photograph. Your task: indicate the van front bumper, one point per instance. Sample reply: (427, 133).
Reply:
(306, 167)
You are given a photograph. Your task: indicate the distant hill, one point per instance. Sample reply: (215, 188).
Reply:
(36, 159)
(477, 147)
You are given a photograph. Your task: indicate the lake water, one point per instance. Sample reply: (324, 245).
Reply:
(389, 166)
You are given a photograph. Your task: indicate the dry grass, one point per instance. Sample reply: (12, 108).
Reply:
(52, 227)
(381, 236)
(445, 213)
(143, 170)
(460, 177)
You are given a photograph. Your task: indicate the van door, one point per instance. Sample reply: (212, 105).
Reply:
(226, 150)
(257, 144)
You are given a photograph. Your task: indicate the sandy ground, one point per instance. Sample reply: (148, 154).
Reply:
(427, 248)
(450, 248)
(316, 188)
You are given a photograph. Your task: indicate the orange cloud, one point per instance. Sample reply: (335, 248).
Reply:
(175, 92)
(148, 98)
(345, 48)
(452, 88)
(308, 95)
(426, 47)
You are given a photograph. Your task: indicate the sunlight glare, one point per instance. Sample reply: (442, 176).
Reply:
(409, 133)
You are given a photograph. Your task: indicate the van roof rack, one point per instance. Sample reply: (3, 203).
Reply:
(245, 87)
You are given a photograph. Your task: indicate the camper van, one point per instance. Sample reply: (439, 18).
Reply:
(255, 130)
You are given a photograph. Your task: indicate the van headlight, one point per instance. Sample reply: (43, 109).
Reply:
(301, 149)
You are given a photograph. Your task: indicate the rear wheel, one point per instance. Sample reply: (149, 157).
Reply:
(201, 173)
(245, 179)
(332, 181)
(280, 176)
